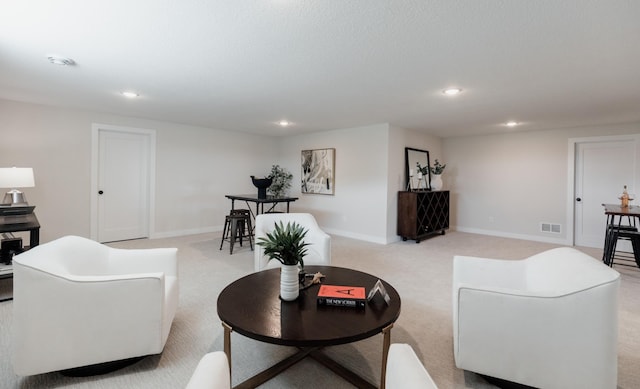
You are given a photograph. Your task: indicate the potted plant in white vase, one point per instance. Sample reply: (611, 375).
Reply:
(436, 175)
(423, 173)
(286, 245)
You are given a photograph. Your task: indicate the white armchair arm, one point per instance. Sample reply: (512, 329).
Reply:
(212, 372)
(405, 371)
(164, 260)
(319, 251)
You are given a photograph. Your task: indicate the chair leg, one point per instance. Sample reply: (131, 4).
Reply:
(234, 232)
(635, 243)
(241, 230)
(224, 232)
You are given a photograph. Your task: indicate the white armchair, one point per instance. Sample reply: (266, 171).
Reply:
(548, 321)
(405, 371)
(212, 372)
(318, 252)
(79, 303)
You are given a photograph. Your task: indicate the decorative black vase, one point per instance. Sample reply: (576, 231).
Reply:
(262, 184)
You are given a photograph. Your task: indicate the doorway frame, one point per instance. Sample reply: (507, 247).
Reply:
(95, 155)
(571, 175)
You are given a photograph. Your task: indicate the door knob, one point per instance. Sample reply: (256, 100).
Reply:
(100, 192)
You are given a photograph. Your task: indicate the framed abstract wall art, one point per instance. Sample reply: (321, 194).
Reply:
(318, 171)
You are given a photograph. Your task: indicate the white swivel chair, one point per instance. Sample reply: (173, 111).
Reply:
(78, 303)
(318, 252)
(212, 372)
(548, 321)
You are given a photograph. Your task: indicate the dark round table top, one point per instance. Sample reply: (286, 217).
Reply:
(252, 307)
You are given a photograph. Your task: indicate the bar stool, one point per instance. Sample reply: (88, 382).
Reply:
(629, 233)
(237, 225)
(626, 228)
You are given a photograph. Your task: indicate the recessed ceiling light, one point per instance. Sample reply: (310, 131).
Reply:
(511, 123)
(284, 123)
(62, 61)
(130, 94)
(452, 91)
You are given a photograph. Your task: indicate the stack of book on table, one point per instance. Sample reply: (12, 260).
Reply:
(342, 296)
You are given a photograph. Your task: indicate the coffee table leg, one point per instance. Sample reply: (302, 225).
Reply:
(227, 343)
(386, 343)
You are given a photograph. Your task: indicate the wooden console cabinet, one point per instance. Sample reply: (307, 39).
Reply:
(421, 214)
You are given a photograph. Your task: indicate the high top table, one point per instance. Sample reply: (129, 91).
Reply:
(626, 227)
(253, 198)
(251, 306)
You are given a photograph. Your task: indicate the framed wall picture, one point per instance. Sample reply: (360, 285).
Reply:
(318, 171)
(415, 159)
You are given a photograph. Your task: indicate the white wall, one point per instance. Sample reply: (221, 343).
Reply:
(358, 208)
(507, 184)
(195, 167)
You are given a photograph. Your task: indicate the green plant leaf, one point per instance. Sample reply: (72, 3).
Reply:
(281, 181)
(285, 244)
(437, 167)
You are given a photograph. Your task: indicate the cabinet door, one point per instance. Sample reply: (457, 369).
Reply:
(424, 212)
(439, 210)
(407, 213)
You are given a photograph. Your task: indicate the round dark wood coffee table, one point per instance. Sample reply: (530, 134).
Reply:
(251, 306)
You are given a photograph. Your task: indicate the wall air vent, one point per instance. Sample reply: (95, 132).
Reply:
(550, 228)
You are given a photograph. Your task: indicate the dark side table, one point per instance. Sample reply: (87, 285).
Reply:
(20, 223)
(251, 306)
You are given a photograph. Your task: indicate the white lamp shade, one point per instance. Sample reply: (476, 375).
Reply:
(16, 177)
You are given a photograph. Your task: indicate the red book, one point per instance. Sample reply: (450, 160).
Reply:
(342, 296)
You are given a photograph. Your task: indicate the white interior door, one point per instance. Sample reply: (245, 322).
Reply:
(602, 168)
(123, 184)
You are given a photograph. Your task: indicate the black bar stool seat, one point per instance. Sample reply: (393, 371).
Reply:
(625, 233)
(237, 226)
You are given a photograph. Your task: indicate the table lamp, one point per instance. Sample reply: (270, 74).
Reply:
(16, 177)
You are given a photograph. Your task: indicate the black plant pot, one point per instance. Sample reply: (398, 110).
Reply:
(262, 184)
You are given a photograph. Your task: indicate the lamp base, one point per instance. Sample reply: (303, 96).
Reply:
(14, 197)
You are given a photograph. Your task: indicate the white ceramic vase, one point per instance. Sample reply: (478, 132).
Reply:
(289, 288)
(436, 181)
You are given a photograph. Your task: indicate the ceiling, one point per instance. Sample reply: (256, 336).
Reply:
(327, 64)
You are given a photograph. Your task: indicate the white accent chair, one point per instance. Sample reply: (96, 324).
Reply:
(318, 252)
(405, 371)
(78, 303)
(548, 321)
(212, 372)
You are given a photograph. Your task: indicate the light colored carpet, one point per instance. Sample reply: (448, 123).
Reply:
(420, 272)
